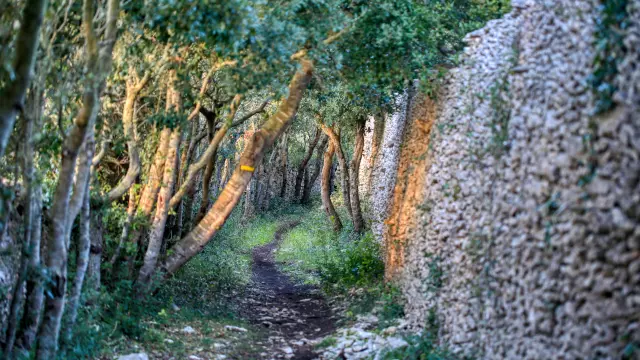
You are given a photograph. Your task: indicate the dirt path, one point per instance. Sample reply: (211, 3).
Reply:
(289, 313)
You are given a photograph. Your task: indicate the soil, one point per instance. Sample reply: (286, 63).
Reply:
(290, 313)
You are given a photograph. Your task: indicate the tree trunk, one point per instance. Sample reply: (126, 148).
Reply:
(34, 290)
(84, 246)
(358, 221)
(27, 247)
(284, 159)
(99, 64)
(13, 94)
(303, 165)
(195, 241)
(124, 237)
(128, 122)
(326, 193)
(150, 193)
(311, 180)
(159, 221)
(344, 168)
(95, 251)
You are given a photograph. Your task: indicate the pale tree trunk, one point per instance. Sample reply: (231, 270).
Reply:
(376, 141)
(284, 159)
(345, 184)
(124, 237)
(159, 221)
(84, 246)
(358, 221)
(28, 175)
(185, 162)
(262, 139)
(327, 204)
(133, 89)
(99, 65)
(310, 179)
(13, 94)
(150, 192)
(305, 161)
(156, 232)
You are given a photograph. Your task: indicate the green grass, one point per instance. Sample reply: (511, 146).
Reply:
(312, 251)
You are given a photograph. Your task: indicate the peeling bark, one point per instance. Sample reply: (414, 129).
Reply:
(327, 204)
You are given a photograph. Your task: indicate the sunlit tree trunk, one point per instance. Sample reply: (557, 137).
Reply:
(326, 191)
(303, 164)
(162, 209)
(262, 139)
(358, 221)
(12, 95)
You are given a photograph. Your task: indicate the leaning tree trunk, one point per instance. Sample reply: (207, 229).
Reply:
(303, 164)
(262, 139)
(358, 221)
(13, 94)
(326, 191)
(344, 168)
(311, 179)
(149, 193)
(159, 221)
(99, 65)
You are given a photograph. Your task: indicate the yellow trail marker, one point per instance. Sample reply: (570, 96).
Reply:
(247, 168)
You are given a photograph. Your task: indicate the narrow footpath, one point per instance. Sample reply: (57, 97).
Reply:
(290, 313)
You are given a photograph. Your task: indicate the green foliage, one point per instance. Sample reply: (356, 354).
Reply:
(313, 251)
(610, 50)
(384, 300)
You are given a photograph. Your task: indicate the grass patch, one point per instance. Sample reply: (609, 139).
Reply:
(315, 253)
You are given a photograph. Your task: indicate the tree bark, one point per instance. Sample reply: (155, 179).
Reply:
(310, 180)
(84, 246)
(150, 193)
(13, 94)
(303, 164)
(326, 191)
(195, 241)
(283, 164)
(25, 337)
(133, 89)
(344, 168)
(28, 175)
(159, 221)
(358, 221)
(98, 64)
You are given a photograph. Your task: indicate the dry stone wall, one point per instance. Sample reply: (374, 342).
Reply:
(527, 239)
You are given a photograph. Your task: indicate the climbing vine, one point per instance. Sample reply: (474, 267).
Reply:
(610, 50)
